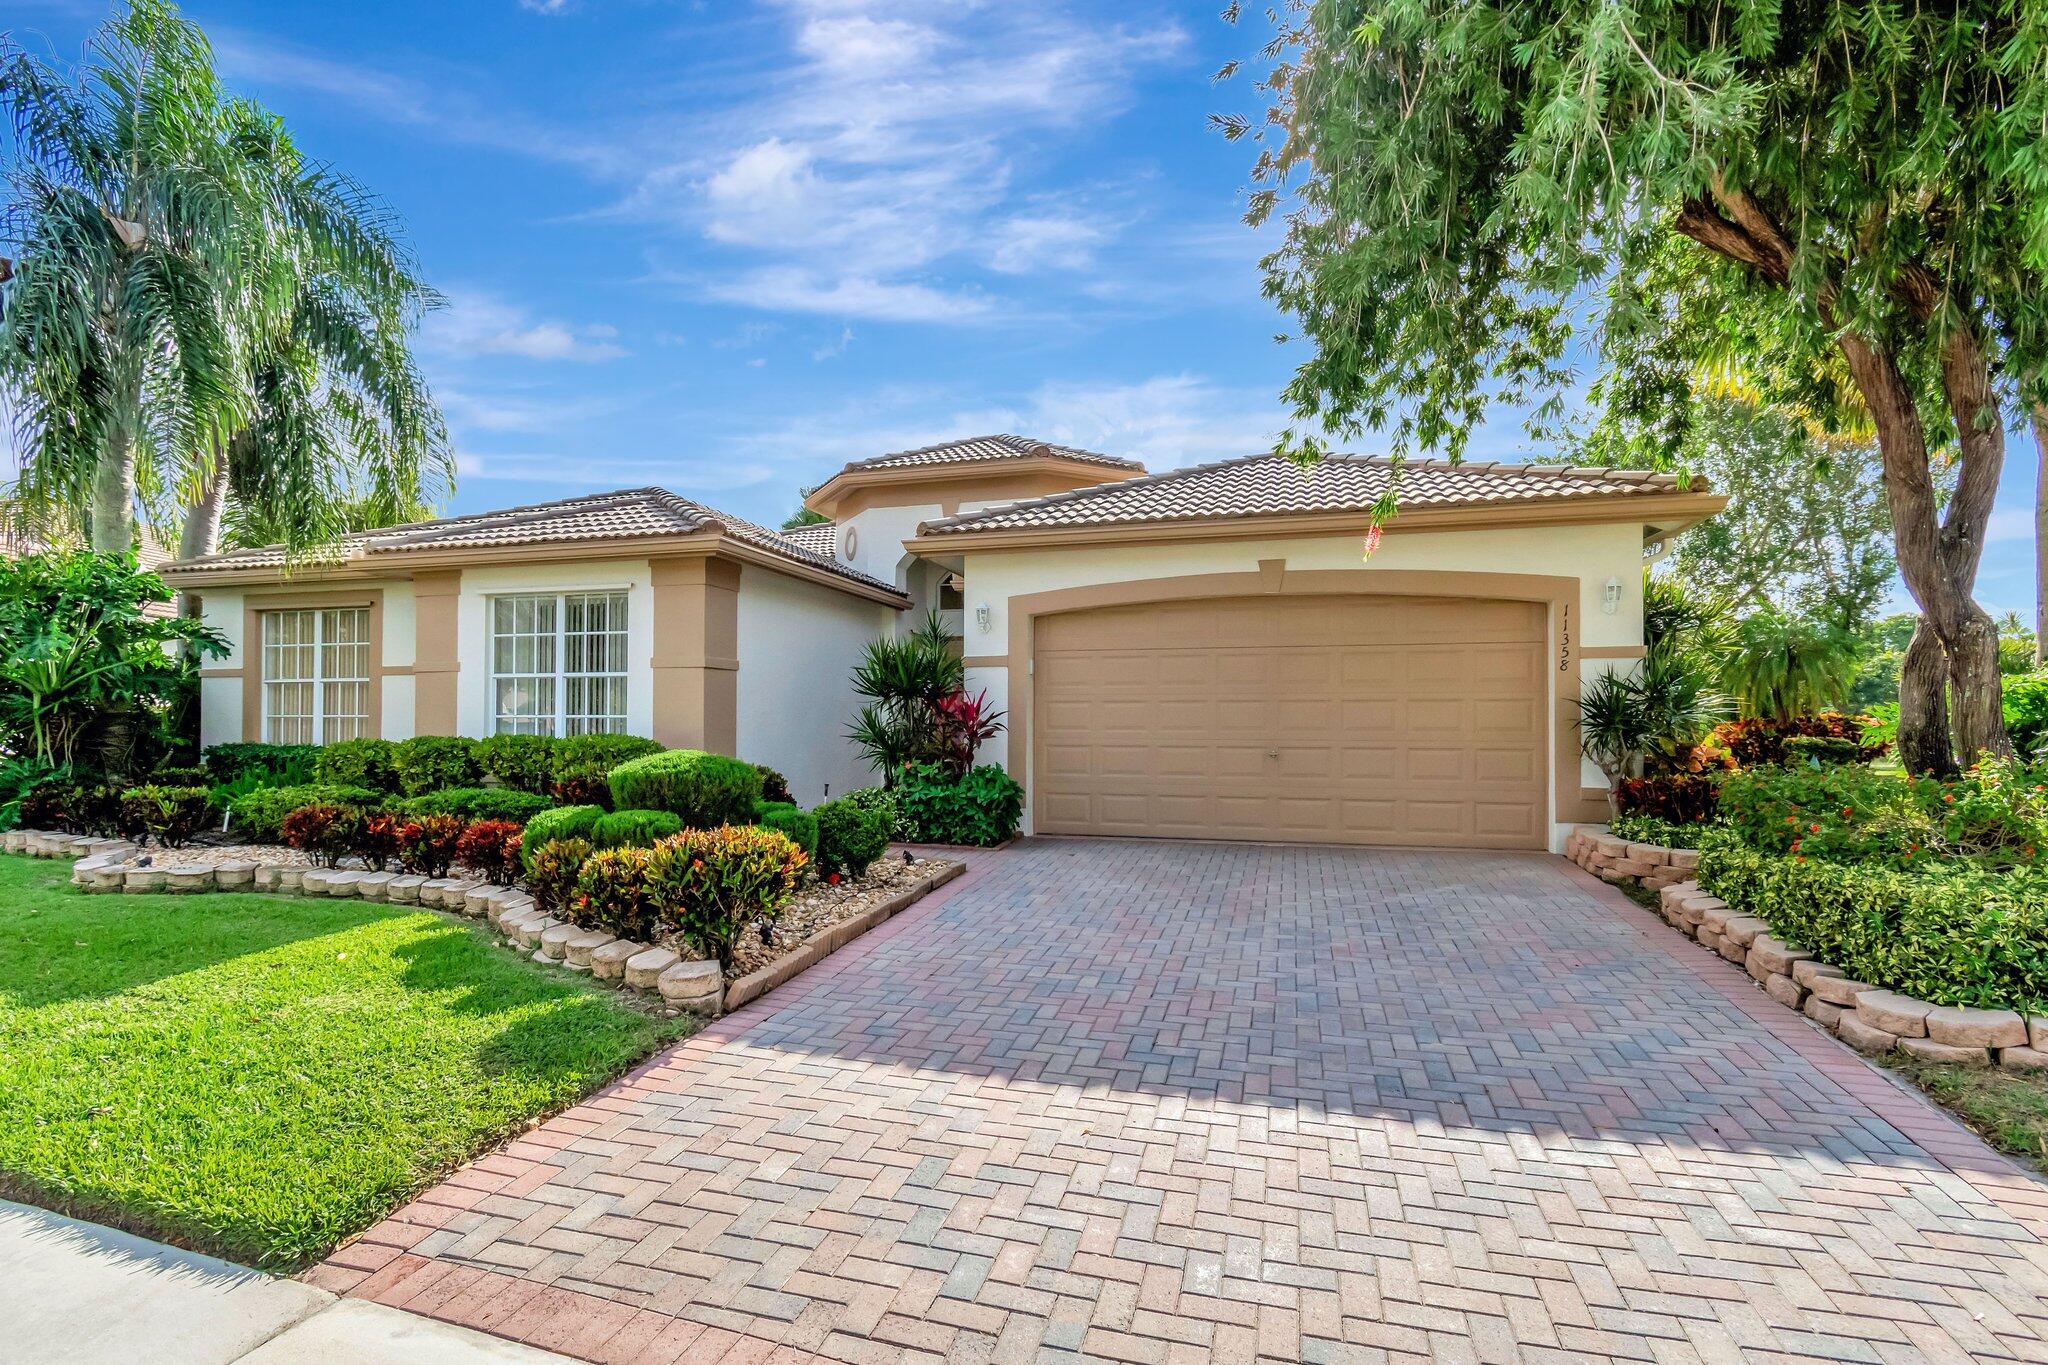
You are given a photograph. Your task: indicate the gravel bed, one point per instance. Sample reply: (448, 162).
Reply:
(822, 905)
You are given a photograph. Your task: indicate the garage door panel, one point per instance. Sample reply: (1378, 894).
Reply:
(1352, 719)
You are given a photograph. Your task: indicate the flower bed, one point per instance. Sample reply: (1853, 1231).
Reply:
(832, 916)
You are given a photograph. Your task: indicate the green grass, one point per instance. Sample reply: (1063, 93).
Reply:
(2008, 1109)
(261, 1076)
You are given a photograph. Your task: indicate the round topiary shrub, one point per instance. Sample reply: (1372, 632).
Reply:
(706, 790)
(357, 763)
(561, 822)
(634, 828)
(850, 837)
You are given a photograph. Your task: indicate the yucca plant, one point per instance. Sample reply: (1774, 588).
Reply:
(1658, 711)
(905, 679)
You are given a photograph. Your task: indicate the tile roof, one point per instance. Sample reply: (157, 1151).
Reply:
(976, 448)
(1273, 485)
(625, 515)
(820, 537)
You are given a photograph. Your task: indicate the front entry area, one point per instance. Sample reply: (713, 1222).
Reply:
(1317, 719)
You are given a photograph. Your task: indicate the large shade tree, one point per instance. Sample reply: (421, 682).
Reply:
(197, 315)
(1847, 202)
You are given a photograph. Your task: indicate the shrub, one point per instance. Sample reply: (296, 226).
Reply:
(43, 806)
(524, 763)
(983, 807)
(634, 828)
(603, 751)
(376, 839)
(801, 827)
(426, 846)
(612, 894)
(477, 803)
(1648, 829)
(278, 765)
(712, 883)
(170, 815)
(184, 775)
(552, 870)
(258, 814)
(774, 786)
(325, 832)
(430, 763)
(357, 763)
(2026, 713)
(1957, 936)
(561, 822)
(1760, 740)
(584, 784)
(850, 837)
(95, 807)
(490, 849)
(1815, 750)
(1680, 798)
(706, 790)
(1995, 815)
(879, 799)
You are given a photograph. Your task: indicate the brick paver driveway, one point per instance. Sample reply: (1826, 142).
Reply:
(1179, 1101)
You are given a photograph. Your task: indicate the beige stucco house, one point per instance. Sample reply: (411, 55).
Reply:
(1208, 652)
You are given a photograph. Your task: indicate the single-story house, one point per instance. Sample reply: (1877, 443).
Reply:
(1219, 651)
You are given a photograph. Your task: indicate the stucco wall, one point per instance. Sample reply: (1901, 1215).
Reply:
(1592, 553)
(798, 643)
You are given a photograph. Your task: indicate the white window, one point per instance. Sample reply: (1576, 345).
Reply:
(558, 663)
(316, 675)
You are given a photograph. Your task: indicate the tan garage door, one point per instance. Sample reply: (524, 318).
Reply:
(1371, 720)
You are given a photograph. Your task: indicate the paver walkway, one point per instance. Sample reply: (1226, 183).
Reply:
(1156, 1101)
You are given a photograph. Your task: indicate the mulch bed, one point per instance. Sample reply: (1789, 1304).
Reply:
(823, 905)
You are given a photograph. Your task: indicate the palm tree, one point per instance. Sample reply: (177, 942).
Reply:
(1782, 666)
(197, 313)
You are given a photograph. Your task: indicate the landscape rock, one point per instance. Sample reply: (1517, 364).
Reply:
(1962, 1026)
(143, 879)
(1732, 949)
(1838, 990)
(1685, 859)
(1894, 1013)
(1806, 969)
(1928, 1050)
(1744, 929)
(478, 899)
(527, 930)
(404, 889)
(643, 970)
(236, 874)
(185, 878)
(279, 877)
(1864, 1037)
(1653, 854)
(374, 886)
(576, 952)
(554, 940)
(1783, 989)
(2023, 1058)
(1822, 1013)
(698, 987)
(609, 962)
(1777, 955)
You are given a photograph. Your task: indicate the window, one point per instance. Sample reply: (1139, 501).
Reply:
(558, 663)
(316, 675)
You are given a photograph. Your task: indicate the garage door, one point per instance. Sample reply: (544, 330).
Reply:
(1371, 720)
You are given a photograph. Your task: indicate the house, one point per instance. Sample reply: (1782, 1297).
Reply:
(1221, 651)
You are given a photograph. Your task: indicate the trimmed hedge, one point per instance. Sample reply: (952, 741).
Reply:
(522, 762)
(357, 763)
(1959, 936)
(477, 803)
(982, 807)
(257, 815)
(430, 763)
(784, 818)
(635, 828)
(606, 751)
(282, 765)
(851, 837)
(706, 790)
(562, 822)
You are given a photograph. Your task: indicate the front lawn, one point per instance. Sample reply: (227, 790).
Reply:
(261, 1076)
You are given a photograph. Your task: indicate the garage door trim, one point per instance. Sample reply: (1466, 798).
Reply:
(1560, 593)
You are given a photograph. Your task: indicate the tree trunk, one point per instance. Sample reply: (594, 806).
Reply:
(1924, 744)
(2040, 415)
(201, 535)
(113, 494)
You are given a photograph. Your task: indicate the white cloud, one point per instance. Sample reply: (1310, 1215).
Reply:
(544, 6)
(478, 323)
(793, 289)
(468, 409)
(832, 350)
(1029, 242)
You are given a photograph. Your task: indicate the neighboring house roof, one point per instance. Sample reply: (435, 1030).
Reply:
(974, 449)
(621, 517)
(820, 537)
(1275, 486)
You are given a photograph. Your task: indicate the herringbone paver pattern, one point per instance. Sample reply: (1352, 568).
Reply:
(1151, 1102)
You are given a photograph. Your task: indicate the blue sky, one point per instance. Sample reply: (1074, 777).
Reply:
(726, 247)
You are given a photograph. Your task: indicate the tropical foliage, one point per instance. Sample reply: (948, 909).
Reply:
(917, 709)
(1834, 208)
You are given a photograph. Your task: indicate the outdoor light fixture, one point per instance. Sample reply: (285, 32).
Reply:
(981, 617)
(1610, 596)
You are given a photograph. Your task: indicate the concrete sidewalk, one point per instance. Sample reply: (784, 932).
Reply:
(80, 1294)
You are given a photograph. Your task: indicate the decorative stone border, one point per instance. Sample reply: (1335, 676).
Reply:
(1865, 1017)
(685, 987)
(1612, 858)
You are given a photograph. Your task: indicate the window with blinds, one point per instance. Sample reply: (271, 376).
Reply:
(316, 675)
(558, 663)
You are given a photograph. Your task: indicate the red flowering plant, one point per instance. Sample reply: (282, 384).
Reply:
(426, 846)
(490, 849)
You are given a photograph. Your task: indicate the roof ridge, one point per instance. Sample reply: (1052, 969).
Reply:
(1075, 494)
(514, 516)
(1023, 446)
